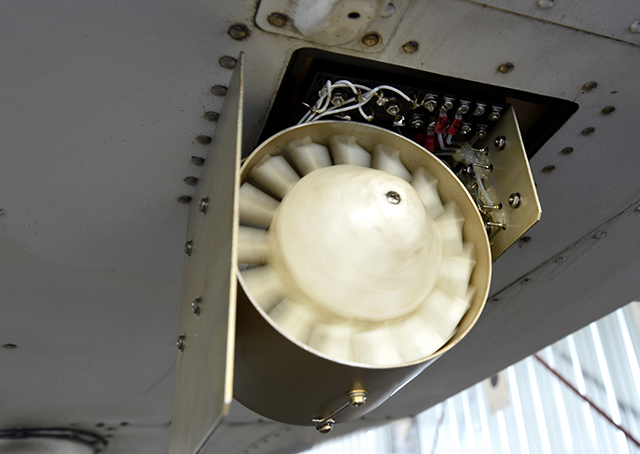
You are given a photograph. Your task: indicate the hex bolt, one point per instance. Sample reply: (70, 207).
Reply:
(590, 86)
(392, 107)
(357, 398)
(184, 199)
(548, 169)
(277, 19)
(410, 47)
(393, 197)
(219, 90)
(182, 342)
(338, 99)
(588, 131)
(600, 234)
(227, 62)
(500, 142)
(188, 247)
(567, 150)
(196, 306)
(211, 115)
(370, 39)
(203, 205)
(515, 200)
(608, 110)
(238, 32)
(204, 140)
(506, 67)
(191, 181)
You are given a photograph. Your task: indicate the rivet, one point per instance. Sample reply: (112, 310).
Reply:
(506, 67)
(566, 150)
(10, 346)
(608, 110)
(211, 116)
(393, 197)
(203, 139)
(500, 142)
(515, 200)
(549, 169)
(182, 342)
(370, 39)
(196, 306)
(635, 27)
(197, 160)
(590, 86)
(599, 235)
(188, 247)
(560, 259)
(238, 31)
(588, 131)
(277, 19)
(184, 199)
(227, 62)
(191, 181)
(545, 4)
(203, 205)
(219, 90)
(410, 47)
(525, 281)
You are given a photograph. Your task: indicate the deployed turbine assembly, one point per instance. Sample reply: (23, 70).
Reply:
(341, 258)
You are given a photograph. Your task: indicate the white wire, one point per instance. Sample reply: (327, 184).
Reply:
(442, 147)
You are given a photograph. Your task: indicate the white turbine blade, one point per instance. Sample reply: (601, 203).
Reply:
(375, 347)
(253, 245)
(294, 318)
(256, 208)
(455, 271)
(449, 227)
(442, 311)
(388, 159)
(264, 286)
(427, 188)
(307, 156)
(415, 338)
(274, 175)
(345, 150)
(332, 339)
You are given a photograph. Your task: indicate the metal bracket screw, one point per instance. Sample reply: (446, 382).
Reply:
(357, 398)
(370, 39)
(188, 247)
(238, 32)
(182, 342)
(515, 200)
(500, 142)
(324, 426)
(196, 306)
(203, 205)
(393, 197)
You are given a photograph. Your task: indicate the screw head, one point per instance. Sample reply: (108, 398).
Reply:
(188, 247)
(410, 47)
(203, 205)
(357, 398)
(635, 27)
(548, 169)
(211, 116)
(370, 39)
(599, 235)
(227, 62)
(515, 200)
(191, 181)
(566, 150)
(393, 109)
(608, 110)
(219, 90)
(277, 19)
(197, 160)
(238, 32)
(417, 122)
(588, 131)
(182, 342)
(196, 306)
(500, 142)
(506, 67)
(494, 116)
(431, 105)
(326, 427)
(337, 99)
(590, 86)
(204, 140)
(393, 197)
(184, 199)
